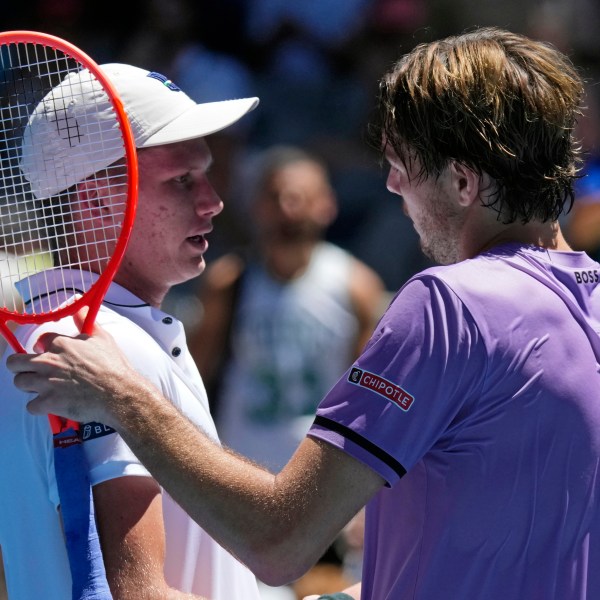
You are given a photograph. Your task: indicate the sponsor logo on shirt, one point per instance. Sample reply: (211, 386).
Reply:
(95, 430)
(64, 441)
(381, 386)
(591, 276)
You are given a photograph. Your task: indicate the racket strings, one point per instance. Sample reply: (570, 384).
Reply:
(63, 192)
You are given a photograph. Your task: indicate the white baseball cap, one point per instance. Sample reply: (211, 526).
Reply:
(72, 132)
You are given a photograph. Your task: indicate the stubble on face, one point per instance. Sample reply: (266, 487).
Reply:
(440, 226)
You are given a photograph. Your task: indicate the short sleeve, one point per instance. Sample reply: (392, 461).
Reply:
(423, 366)
(108, 455)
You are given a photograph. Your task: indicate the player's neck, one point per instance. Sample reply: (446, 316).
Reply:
(546, 235)
(147, 292)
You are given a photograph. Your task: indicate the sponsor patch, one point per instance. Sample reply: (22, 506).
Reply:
(64, 440)
(91, 431)
(394, 393)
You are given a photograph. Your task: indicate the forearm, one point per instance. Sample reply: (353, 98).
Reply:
(244, 507)
(278, 525)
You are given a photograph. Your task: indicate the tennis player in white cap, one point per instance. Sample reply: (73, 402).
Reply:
(151, 548)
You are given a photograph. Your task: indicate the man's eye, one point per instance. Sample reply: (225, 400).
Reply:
(183, 179)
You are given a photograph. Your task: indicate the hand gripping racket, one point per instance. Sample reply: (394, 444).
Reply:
(68, 190)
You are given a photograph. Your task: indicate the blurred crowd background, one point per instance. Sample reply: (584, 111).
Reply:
(315, 65)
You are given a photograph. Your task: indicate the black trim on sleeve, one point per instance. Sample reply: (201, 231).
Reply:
(358, 439)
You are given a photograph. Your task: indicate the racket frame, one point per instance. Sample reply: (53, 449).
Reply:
(94, 296)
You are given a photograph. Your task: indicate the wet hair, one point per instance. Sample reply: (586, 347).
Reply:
(497, 102)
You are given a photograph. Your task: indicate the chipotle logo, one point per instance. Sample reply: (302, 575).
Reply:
(381, 386)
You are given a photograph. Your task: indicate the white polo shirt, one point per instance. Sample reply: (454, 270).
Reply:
(30, 533)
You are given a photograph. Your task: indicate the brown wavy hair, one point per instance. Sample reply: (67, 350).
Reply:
(497, 102)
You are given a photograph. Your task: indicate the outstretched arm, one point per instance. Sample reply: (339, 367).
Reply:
(279, 525)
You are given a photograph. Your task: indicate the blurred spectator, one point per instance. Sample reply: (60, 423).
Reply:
(283, 319)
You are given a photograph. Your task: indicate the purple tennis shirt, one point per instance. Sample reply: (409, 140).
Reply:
(478, 401)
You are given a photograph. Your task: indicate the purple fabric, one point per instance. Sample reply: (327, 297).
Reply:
(483, 388)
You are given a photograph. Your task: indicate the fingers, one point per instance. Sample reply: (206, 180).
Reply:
(32, 372)
(54, 405)
(23, 363)
(80, 316)
(44, 342)
(36, 407)
(70, 375)
(42, 406)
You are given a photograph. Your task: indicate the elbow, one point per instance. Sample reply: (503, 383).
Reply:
(280, 571)
(283, 561)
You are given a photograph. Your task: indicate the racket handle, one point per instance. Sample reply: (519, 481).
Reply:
(77, 508)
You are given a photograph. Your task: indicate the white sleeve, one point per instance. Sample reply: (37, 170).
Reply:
(108, 455)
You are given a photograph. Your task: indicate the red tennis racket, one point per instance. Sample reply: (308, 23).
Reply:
(68, 191)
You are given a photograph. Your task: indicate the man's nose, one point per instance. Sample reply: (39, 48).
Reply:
(208, 201)
(291, 203)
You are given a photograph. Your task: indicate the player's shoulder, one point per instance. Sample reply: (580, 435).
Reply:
(463, 287)
(142, 350)
(474, 273)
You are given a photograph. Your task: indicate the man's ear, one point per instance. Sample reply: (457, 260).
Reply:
(91, 196)
(466, 182)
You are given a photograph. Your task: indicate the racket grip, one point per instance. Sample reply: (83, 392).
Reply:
(77, 507)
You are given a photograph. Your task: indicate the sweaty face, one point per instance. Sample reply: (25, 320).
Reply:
(295, 203)
(429, 204)
(175, 210)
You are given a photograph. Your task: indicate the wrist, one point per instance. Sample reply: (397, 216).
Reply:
(132, 402)
(336, 596)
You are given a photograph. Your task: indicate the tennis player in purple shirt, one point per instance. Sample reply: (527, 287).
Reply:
(470, 424)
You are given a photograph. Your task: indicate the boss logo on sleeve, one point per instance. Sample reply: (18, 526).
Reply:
(381, 386)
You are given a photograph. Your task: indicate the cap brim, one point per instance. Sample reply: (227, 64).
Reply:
(202, 120)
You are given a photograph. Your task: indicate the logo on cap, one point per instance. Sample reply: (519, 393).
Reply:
(167, 82)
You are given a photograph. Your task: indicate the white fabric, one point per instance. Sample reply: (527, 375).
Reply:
(30, 534)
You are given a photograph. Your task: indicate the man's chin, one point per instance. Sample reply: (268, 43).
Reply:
(440, 257)
(183, 276)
